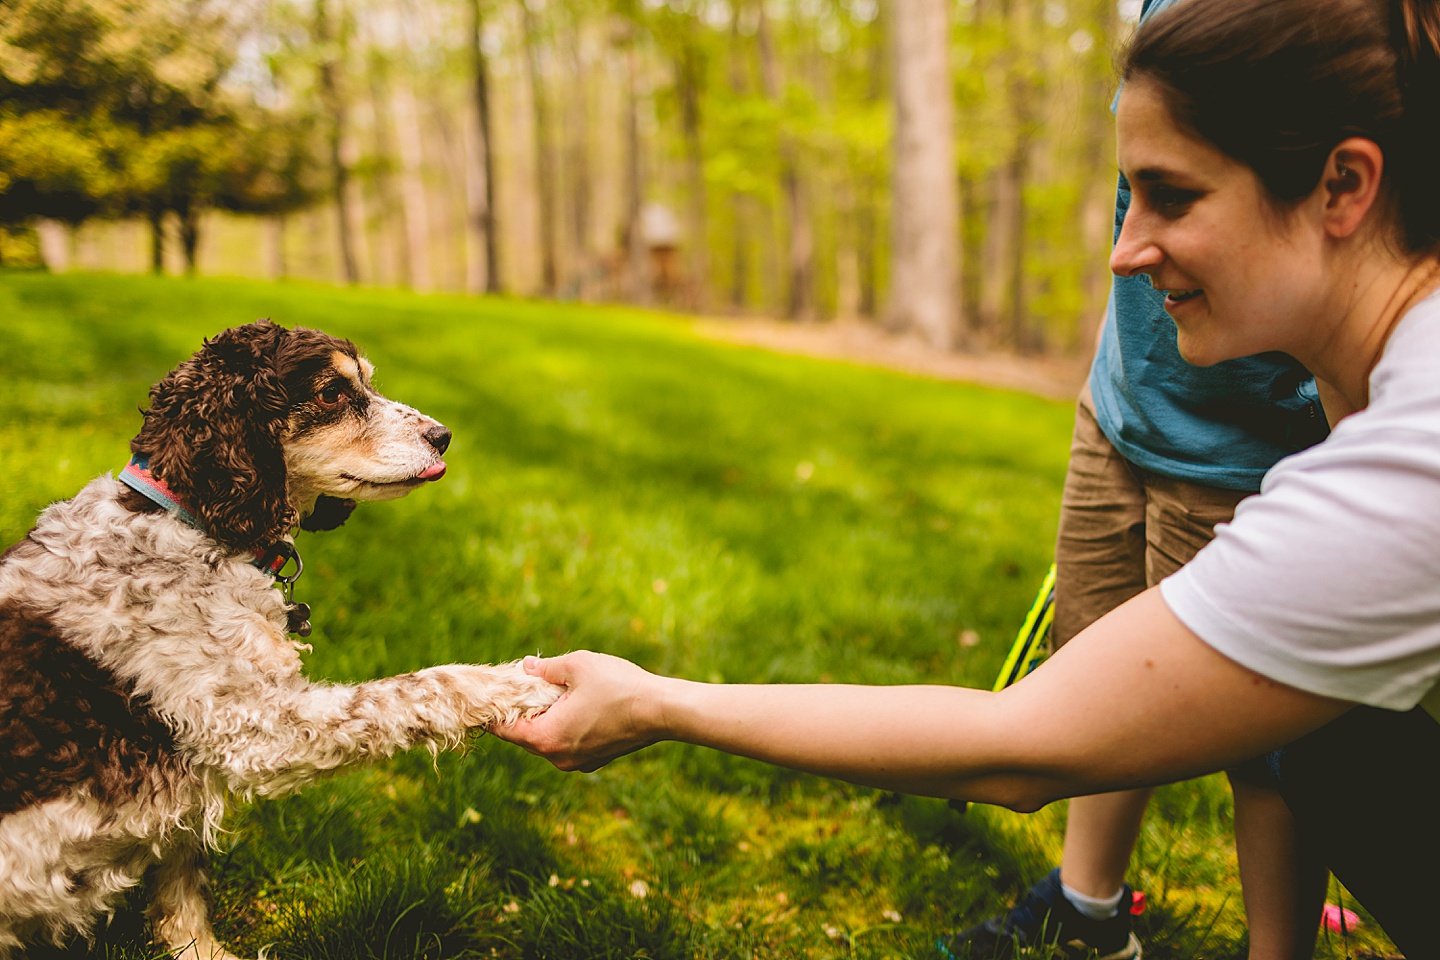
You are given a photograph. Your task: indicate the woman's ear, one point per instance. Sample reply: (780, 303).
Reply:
(213, 434)
(1351, 185)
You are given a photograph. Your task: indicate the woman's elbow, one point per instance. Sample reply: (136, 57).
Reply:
(1023, 793)
(1031, 797)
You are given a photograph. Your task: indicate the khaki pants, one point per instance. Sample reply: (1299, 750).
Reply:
(1122, 528)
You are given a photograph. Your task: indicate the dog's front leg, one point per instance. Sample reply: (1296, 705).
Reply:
(179, 906)
(276, 740)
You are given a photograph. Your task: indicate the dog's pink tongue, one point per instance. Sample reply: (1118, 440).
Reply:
(432, 473)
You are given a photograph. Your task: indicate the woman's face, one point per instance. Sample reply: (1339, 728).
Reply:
(1240, 277)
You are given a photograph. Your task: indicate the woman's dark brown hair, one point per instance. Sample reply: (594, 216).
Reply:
(1277, 84)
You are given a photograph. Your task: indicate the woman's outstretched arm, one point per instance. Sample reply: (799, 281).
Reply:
(1135, 699)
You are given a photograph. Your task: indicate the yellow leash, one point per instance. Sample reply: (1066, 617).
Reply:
(1027, 651)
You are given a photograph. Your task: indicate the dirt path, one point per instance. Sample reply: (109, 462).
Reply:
(1057, 377)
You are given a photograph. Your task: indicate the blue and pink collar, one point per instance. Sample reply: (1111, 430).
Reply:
(272, 560)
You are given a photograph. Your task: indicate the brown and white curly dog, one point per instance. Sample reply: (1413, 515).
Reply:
(147, 672)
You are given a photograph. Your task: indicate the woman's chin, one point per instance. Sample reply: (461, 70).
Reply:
(1199, 353)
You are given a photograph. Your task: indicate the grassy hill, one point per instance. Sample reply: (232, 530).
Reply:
(617, 483)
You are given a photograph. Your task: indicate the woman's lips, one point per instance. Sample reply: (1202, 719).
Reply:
(1176, 297)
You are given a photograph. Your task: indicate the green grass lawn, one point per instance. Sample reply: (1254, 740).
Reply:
(617, 483)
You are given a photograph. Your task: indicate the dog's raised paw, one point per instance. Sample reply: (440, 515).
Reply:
(504, 693)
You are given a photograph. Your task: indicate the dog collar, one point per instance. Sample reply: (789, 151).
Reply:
(137, 477)
(272, 559)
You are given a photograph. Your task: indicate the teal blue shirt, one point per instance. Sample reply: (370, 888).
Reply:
(1222, 426)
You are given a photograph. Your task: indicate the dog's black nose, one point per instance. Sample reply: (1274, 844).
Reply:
(438, 437)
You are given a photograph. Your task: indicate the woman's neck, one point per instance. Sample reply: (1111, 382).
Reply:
(1379, 297)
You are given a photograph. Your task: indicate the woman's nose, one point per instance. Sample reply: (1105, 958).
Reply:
(1134, 251)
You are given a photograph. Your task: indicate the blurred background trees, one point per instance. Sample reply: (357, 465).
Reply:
(116, 108)
(940, 166)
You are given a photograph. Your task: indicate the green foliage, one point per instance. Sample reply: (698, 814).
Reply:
(19, 247)
(184, 163)
(114, 106)
(53, 165)
(146, 107)
(742, 161)
(617, 483)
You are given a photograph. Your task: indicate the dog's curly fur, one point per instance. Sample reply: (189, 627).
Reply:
(146, 673)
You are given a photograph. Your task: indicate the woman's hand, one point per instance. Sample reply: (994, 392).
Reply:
(610, 708)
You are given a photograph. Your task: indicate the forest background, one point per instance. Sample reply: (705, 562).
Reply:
(943, 167)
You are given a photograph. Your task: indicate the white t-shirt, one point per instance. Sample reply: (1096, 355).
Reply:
(1329, 580)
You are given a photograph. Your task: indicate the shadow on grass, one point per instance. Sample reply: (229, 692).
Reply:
(596, 922)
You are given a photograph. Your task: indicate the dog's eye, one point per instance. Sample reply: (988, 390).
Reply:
(332, 395)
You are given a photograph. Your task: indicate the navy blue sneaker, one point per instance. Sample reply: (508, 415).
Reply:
(1045, 919)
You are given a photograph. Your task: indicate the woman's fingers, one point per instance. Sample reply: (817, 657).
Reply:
(594, 721)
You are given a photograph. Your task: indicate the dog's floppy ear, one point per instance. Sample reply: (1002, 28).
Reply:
(213, 434)
(329, 513)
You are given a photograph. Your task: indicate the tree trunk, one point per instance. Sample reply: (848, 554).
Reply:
(972, 246)
(56, 244)
(578, 149)
(1013, 214)
(980, 304)
(847, 251)
(800, 259)
(1023, 335)
(740, 254)
(335, 137)
(482, 205)
(865, 230)
(689, 79)
(189, 234)
(395, 238)
(412, 187)
(868, 192)
(156, 217)
(1096, 212)
(994, 241)
(544, 154)
(452, 242)
(924, 221)
(641, 290)
(801, 302)
(740, 202)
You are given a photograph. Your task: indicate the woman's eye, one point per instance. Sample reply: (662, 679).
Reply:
(1172, 201)
(332, 396)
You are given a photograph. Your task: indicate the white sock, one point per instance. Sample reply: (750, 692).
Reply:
(1096, 908)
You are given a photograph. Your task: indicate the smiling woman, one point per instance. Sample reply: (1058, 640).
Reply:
(1234, 280)
(1264, 149)
(1277, 150)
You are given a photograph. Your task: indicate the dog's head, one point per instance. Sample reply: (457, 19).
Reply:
(265, 426)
